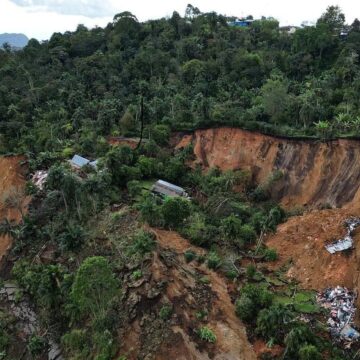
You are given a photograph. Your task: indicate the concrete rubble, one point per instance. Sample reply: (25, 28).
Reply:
(341, 303)
(39, 178)
(346, 242)
(27, 318)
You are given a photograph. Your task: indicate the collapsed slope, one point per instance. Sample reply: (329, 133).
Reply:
(11, 180)
(174, 281)
(314, 173)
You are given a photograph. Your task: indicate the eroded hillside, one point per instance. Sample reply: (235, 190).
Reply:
(12, 183)
(314, 173)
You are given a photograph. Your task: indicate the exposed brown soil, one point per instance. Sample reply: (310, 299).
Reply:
(11, 177)
(314, 172)
(188, 295)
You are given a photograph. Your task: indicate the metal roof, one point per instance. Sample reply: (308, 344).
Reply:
(79, 161)
(170, 186)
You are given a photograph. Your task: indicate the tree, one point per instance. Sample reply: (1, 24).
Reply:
(334, 18)
(94, 287)
(272, 323)
(175, 210)
(275, 98)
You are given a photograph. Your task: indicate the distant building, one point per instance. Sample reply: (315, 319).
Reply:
(78, 162)
(241, 23)
(164, 188)
(290, 29)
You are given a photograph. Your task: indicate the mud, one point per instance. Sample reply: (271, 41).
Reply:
(314, 173)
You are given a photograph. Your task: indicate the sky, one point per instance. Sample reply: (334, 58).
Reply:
(40, 18)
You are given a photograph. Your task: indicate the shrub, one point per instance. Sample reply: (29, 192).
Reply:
(72, 238)
(148, 166)
(231, 226)
(213, 260)
(207, 334)
(270, 255)
(247, 234)
(252, 299)
(77, 343)
(150, 211)
(134, 188)
(245, 308)
(175, 210)
(36, 345)
(143, 242)
(272, 323)
(299, 336)
(161, 134)
(189, 255)
(309, 352)
(250, 271)
(165, 312)
(137, 274)
(94, 286)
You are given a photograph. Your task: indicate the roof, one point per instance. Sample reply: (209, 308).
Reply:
(79, 161)
(170, 186)
(166, 188)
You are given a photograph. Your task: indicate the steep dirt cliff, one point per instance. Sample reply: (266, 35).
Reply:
(12, 183)
(314, 173)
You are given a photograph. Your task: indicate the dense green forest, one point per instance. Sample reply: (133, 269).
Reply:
(192, 71)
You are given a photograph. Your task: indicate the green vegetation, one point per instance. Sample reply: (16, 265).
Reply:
(88, 233)
(206, 334)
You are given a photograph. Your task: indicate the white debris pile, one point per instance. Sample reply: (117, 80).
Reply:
(39, 178)
(340, 301)
(346, 242)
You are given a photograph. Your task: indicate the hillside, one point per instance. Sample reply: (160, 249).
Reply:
(169, 189)
(311, 173)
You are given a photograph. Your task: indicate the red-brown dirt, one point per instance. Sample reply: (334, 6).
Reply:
(313, 172)
(11, 177)
(184, 291)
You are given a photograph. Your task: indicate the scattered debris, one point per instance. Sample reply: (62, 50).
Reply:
(347, 241)
(340, 301)
(39, 178)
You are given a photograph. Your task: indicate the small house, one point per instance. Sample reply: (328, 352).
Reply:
(78, 162)
(241, 23)
(164, 188)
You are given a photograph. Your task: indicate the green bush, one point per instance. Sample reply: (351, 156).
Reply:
(77, 344)
(270, 255)
(175, 210)
(143, 242)
(247, 234)
(231, 226)
(207, 334)
(299, 336)
(213, 260)
(94, 287)
(165, 312)
(252, 299)
(36, 345)
(161, 134)
(309, 352)
(250, 271)
(272, 323)
(134, 188)
(189, 255)
(150, 211)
